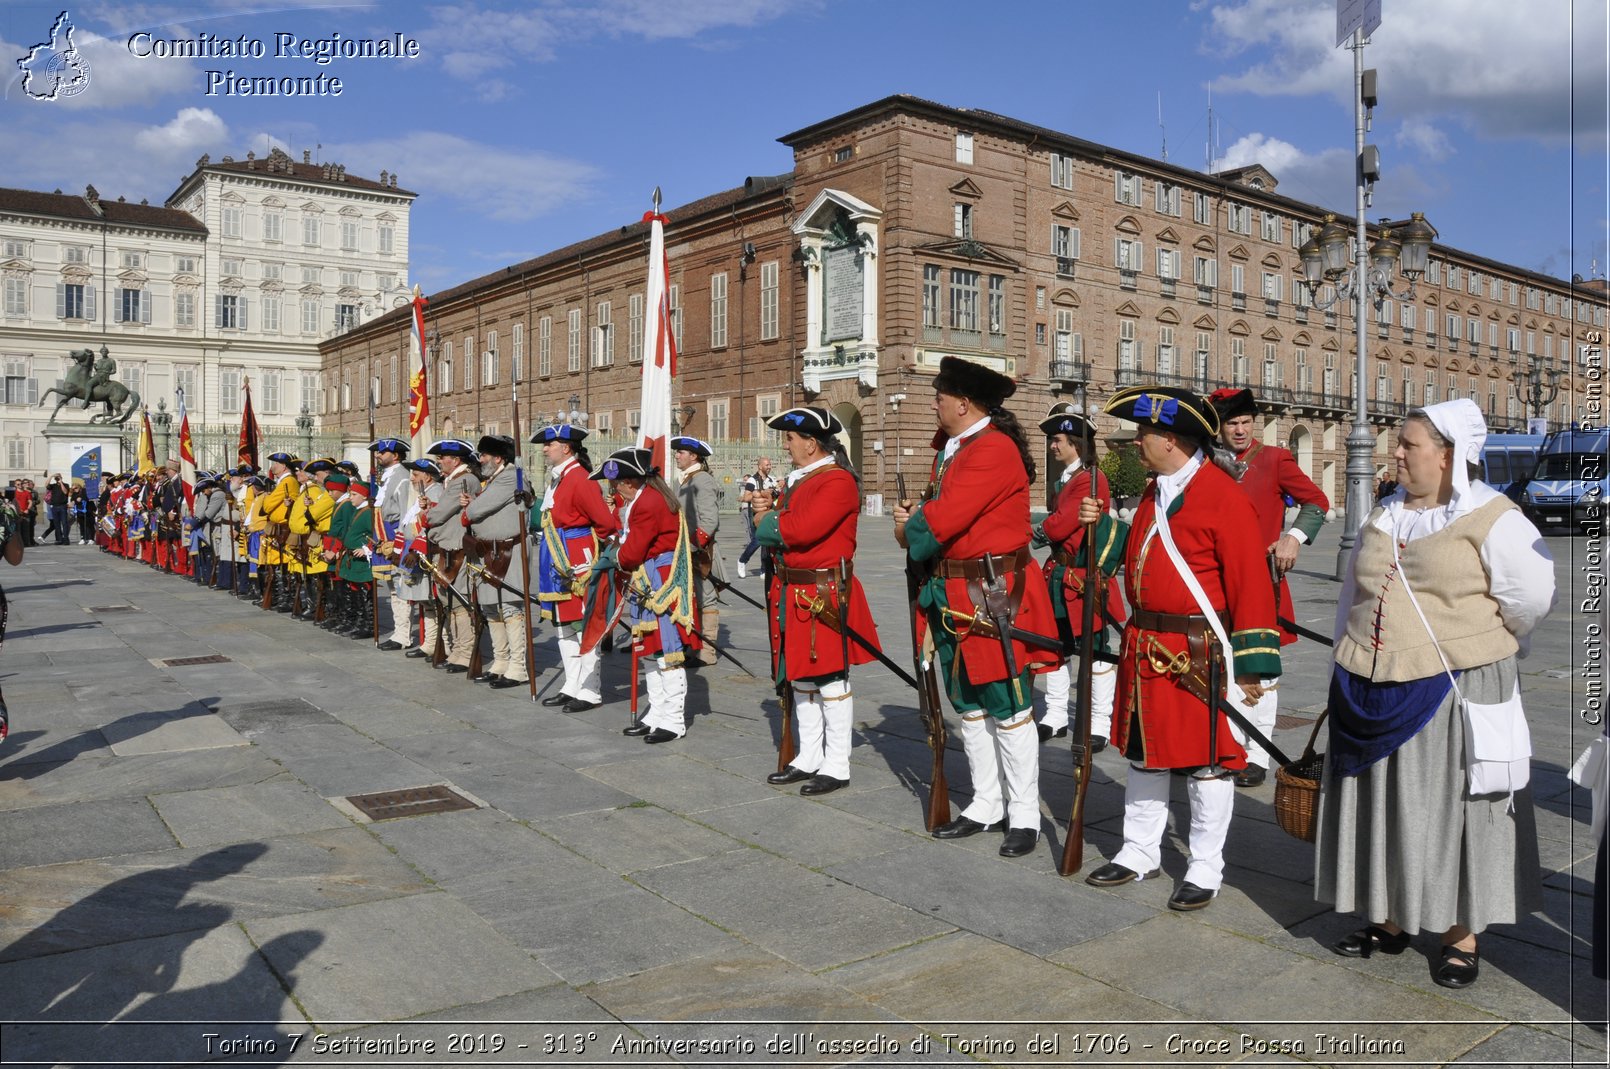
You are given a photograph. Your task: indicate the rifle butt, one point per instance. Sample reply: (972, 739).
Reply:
(266, 573)
(786, 748)
(1073, 847)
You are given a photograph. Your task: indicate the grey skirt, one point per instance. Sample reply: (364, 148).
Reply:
(1405, 842)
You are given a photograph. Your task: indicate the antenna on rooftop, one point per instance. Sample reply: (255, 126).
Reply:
(1161, 128)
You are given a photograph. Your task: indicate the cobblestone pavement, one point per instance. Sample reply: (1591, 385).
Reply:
(176, 857)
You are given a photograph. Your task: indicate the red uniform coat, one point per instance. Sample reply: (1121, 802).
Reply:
(981, 507)
(652, 529)
(1217, 534)
(1271, 474)
(1066, 533)
(578, 501)
(815, 522)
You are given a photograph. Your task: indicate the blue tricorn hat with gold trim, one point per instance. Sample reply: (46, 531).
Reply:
(1167, 408)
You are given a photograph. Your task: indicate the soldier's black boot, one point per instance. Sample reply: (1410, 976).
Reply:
(284, 590)
(366, 615)
(335, 607)
(350, 609)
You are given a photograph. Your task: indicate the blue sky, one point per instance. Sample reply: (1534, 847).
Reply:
(525, 126)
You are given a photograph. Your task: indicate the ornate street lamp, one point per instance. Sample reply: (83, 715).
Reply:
(1537, 385)
(304, 431)
(1325, 259)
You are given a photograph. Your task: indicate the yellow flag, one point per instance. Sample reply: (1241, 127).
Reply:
(146, 450)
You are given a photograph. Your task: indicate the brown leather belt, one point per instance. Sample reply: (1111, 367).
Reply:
(812, 576)
(1064, 558)
(974, 568)
(1178, 623)
(495, 553)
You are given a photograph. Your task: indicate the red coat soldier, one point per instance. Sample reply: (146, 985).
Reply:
(1203, 610)
(1271, 478)
(813, 593)
(972, 523)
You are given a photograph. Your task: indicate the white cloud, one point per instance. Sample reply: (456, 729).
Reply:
(191, 130)
(473, 40)
(498, 182)
(1425, 139)
(1323, 178)
(1498, 69)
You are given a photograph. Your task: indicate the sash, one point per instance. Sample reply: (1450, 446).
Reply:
(556, 550)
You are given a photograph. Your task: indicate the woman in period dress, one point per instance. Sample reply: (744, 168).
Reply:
(1426, 822)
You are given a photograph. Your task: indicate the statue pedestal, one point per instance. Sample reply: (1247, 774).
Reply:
(83, 451)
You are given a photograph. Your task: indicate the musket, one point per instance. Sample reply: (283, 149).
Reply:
(488, 577)
(444, 583)
(1291, 625)
(849, 633)
(525, 552)
(1073, 847)
(928, 692)
(998, 604)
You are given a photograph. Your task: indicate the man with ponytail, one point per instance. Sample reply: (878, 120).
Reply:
(972, 524)
(571, 522)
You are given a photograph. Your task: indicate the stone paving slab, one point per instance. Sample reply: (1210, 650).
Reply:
(93, 778)
(88, 903)
(638, 838)
(73, 831)
(473, 842)
(1045, 916)
(397, 958)
(50, 743)
(535, 789)
(679, 783)
(367, 771)
(281, 806)
(812, 834)
(193, 729)
(808, 918)
(201, 976)
(1166, 958)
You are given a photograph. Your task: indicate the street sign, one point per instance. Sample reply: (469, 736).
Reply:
(1356, 15)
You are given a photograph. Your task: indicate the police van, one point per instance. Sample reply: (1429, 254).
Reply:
(1508, 460)
(1567, 489)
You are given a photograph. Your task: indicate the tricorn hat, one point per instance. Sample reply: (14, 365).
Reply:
(426, 465)
(347, 466)
(313, 467)
(452, 447)
(290, 460)
(633, 462)
(1168, 408)
(963, 378)
(559, 432)
(390, 445)
(1064, 418)
(497, 445)
(1231, 401)
(807, 420)
(695, 446)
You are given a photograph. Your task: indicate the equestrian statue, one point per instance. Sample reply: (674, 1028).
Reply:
(90, 380)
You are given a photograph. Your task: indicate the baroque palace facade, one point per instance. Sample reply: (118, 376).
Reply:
(908, 231)
(241, 274)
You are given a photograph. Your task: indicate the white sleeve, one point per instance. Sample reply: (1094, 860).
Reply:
(1520, 573)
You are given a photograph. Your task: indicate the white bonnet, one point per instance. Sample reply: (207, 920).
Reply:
(1460, 422)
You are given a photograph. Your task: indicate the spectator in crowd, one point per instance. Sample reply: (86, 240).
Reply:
(56, 509)
(83, 512)
(11, 546)
(759, 488)
(27, 509)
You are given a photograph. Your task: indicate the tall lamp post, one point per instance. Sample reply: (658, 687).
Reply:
(1536, 385)
(1367, 282)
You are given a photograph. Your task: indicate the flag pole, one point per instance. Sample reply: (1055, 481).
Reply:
(525, 533)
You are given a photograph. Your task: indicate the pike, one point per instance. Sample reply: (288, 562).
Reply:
(525, 523)
(928, 693)
(1073, 847)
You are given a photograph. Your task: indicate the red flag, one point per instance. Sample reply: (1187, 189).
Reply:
(187, 457)
(418, 394)
(248, 429)
(659, 347)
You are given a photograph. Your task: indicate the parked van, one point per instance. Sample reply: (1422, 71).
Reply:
(1568, 487)
(1508, 460)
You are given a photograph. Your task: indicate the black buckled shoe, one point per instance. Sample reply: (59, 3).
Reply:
(1047, 734)
(787, 776)
(1113, 874)
(1019, 841)
(579, 705)
(390, 645)
(659, 735)
(1368, 940)
(416, 653)
(820, 784)
(962, 827)
(504, 683)
(637, 730)
(555, 700)
(484, 677)
(1190, 896)
(456, 668)
(1251, 776)
(1098, 743)
(1458, 968)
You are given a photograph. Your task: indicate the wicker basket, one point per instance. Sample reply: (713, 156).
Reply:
(1297, 790)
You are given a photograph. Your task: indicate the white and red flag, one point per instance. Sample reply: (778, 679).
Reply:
(187, 457)
(659, 347)
(418, 393)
